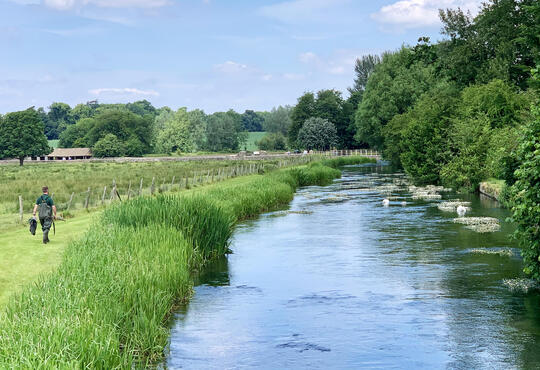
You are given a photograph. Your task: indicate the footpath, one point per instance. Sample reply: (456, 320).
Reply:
(25, 257)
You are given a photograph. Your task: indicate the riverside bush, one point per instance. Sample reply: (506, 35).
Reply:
(526, 196)
(108, 303)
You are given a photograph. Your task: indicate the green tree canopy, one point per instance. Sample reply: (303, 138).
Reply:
(392, 89)
(303, 110)
(278, 120)
(21, 136)
(252, 121)
(318, 133)
(224, 131)
(175, 135)
(109, 146)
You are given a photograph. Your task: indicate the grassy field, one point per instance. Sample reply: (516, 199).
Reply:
(108, 303)
(252, 138)
(64, 179)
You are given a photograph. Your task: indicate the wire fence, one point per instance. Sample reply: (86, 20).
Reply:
(95, 197)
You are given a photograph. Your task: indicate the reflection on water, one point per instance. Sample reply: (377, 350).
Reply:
(343, 282)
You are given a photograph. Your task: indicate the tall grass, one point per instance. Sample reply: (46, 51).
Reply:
(108, 303)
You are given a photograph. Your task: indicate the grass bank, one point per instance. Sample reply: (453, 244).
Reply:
(108, 303)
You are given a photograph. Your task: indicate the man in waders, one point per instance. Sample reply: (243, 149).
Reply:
(46, 211)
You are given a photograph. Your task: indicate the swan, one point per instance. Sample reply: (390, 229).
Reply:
(461, 211)
(403, 204)
(385, 202)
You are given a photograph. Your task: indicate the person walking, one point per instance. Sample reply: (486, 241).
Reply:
(46, 211)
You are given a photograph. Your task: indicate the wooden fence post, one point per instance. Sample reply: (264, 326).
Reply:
(129, 191)
(140, 187)
(70, 200)
(172, 182)
(21, 209)
(87, 200)
(103, 196)
(153, 186)
(113, 191)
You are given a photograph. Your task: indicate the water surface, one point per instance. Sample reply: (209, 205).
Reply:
(342, 282)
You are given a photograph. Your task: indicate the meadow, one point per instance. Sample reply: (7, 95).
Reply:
(71, 180)
(108, 303)
(253, 137)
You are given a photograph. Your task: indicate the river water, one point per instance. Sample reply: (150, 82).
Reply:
(340, 282)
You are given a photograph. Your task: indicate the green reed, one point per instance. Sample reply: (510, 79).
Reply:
(108, 304)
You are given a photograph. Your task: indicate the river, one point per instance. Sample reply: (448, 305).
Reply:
(338, 281)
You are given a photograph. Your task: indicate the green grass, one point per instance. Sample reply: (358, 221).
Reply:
(63, 179)
(108, 303)
(252, 138)
(24, 257)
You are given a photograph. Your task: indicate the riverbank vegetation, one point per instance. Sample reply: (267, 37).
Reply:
(108, 303)
(67, 179)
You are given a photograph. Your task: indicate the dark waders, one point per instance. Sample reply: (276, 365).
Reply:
(46, 224)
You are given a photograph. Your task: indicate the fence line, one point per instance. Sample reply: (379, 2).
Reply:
(192, 179)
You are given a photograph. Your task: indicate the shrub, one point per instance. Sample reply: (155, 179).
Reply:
(109, 146)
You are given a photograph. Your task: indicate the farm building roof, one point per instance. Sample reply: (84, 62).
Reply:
(71, 152)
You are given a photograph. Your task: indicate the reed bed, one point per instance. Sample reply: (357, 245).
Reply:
(108, 304)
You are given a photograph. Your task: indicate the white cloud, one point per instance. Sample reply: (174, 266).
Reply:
(420, 13)
(293, 76)
(231, 67)
(122, 91)
(300, 10)
(70, 4)
(308, 57)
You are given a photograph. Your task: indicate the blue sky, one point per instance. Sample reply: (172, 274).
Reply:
(208, 54)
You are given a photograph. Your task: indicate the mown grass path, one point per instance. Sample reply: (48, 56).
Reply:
(24, 257)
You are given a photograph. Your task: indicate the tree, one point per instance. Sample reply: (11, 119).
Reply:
(363, 68)
(58, 119)
(278, 120)
(123, 124)
(252, 121)
(21, 136)
(109, 146)
(318, 133)
(272, 141)
(330, 105)
(424, 144)
(526, 194)
(304, 109)
(142, 108)
(175, 136)
(392, 89)
(224, 131)
(197, 128)
(75, 135)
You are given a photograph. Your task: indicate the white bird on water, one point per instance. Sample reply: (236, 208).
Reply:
(385, 202)
(461, 211)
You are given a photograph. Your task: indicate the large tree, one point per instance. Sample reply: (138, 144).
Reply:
(252, 121)
(21, 136)
(392, 89)
(224, 131)
(318, 133)
(175, 135)
(278, 120)
(363, 68)
(304, 109)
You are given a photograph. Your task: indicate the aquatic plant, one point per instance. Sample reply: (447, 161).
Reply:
(521, 285)
(451, 206)
(479, 224)
(499, 252)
